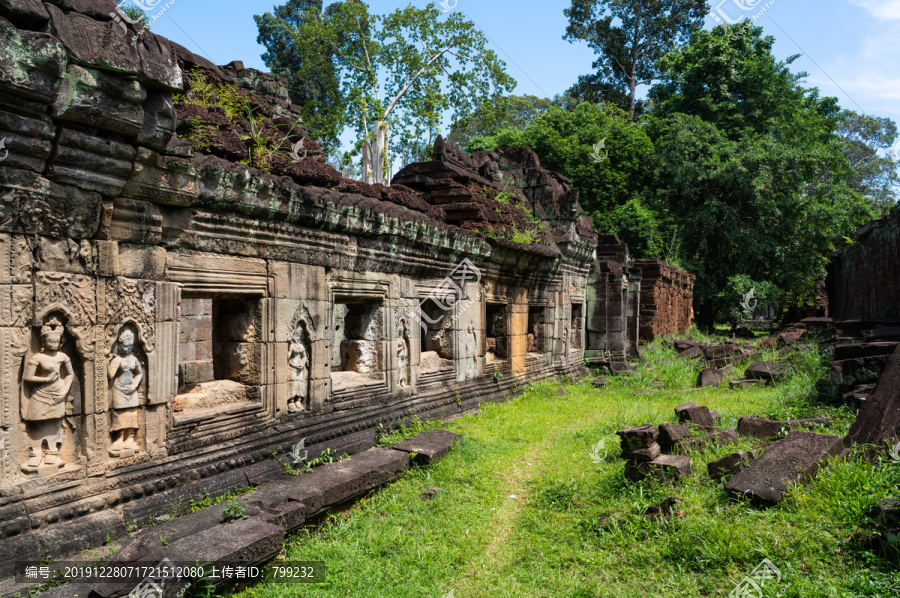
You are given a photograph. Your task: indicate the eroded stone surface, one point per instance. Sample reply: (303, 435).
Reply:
(794, 458)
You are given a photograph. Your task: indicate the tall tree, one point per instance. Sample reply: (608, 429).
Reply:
(749, 166)
(875, 177)
(628, 36)
(308, 68)
(401, 70)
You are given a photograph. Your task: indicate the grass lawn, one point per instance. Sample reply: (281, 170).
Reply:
(533, 504)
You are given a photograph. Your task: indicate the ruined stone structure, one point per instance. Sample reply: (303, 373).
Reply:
(612, 305)
(171, 317)
(666, 299)
(864, 276)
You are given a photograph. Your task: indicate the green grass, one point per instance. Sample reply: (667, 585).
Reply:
(526, 511)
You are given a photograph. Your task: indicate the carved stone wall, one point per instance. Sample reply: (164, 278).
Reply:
(168, 315)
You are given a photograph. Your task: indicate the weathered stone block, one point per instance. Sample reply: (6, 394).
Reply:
(245, 541)
(100, 100)
(794, 458)
(767, 370)
(730, 464)
(192, 372)
(669, 434)
(33, 63)
(638, 437)
(699, 416)
(429, 447)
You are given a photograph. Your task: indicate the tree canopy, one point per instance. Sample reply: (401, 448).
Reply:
(748, 166)
(629, 37)
(400, 71)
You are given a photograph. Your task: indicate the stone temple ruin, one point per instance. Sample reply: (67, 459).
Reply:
(170, 316)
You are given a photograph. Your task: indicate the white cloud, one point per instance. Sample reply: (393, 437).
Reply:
(882, 9)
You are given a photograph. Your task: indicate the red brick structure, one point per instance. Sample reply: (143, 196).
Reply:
(666, 299)
(864, 276)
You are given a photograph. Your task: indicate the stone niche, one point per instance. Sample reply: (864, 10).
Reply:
(437, 341)
(359, 332)
(577, 330)
(536, 342)
(497, 332)
(219, 352)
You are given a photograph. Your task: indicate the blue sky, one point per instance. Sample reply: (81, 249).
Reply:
(851, 48)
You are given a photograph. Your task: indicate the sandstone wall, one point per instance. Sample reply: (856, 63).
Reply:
(864, 276)
(612, 305)
(130, 260)
(666, 300)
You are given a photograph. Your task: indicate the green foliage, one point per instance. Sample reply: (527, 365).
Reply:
(205, 501)
(564, 141)
(238, 108)
(748, 166)
(233, 510)
(506, 112)
(405, 429)
(629, 37)
(308, 67)
(738, 286)
(136, 15)
(397, 72)
(874, 177)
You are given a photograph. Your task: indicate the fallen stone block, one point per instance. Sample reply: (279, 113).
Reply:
(765, 429)
(863, 350)
(665, 468)
(691, 353)
(664, 509)
(721, 351)
(794, 458)
(638, 437)
(879, 417)
(700, 442)
(729, 465)
(766, 370)
(685, 344)
(699, 416)
(790, 338)
(248, 542)
(599, 382)
(648, 453)
(669, 434)
(711, 377)
(430, 447)
(146, 550)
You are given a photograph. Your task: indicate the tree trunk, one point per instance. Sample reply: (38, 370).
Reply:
(375, 158)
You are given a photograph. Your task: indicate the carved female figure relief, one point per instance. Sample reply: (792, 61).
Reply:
(298, 362)
(125, 375)
(47, 379)
(403, 356)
